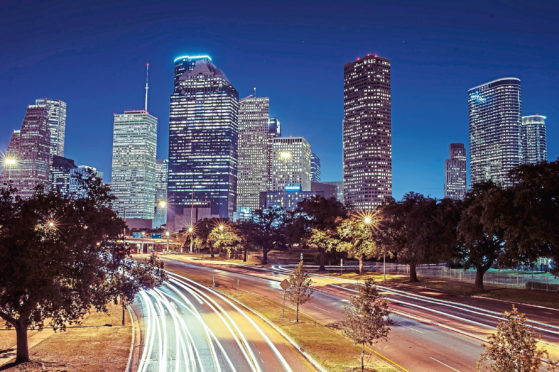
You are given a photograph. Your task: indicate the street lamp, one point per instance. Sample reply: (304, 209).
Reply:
(9, 162)
(372, 221)
(191, 234)
(167, 235)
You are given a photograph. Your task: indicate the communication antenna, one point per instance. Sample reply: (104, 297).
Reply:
(147, 87)
(254, 92)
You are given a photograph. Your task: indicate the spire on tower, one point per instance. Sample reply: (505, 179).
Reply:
(147, 87)
(254, 91)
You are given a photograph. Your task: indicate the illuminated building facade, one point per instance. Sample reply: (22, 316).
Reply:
(56, 112)
(288, 198)
(455, 172)
(494, 110)
(367, 147)
(533, 135)
(60, 174)
(80, 173)
(30, 147)
(203, 138)
(253, 151)
(161, 169)
(133, 165)
(291, 163)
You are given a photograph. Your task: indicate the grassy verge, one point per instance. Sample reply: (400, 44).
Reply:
(325, 343)
(90, 346)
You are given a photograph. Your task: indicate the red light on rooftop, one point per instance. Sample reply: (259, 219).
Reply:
(368, 54)
(358, 58)
(376, 55)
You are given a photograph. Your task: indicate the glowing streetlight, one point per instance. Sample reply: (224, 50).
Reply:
(162, 204)
(191, 233)
(190, 229)
(372, 221)
(9, 162)
(51, 224)
(221, 227)
(167, 235)
(368, 220)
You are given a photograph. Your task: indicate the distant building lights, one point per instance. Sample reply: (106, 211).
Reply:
(202, 56)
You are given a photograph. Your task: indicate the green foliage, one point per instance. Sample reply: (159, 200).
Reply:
(59, 256)
(225, 236)
(356, 239)
(266, 230)
(513, 347)
(299, 290)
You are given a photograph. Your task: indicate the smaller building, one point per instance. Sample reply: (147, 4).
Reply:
(60, 174)
(182, 216)
(455, 172)
(534, 143)
(327, 189)
(288, 198)
(315, 167)
(339, 189)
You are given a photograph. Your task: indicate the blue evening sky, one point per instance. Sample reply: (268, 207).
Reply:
(92, 55)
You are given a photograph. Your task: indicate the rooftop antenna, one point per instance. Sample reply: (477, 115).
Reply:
(147, 87)
(254, 92)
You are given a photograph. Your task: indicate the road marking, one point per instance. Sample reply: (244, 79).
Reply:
(444, 364)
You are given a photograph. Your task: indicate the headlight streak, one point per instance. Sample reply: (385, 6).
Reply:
(251, 321)
(150, 331)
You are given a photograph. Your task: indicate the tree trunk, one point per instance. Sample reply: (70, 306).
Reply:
(413, 273)
(361, 265)
(22, 347)
(212, 251)
(480, 272)
(245, 254)
(297, 313)
(362, 355)
(264, 256)
(322, 254)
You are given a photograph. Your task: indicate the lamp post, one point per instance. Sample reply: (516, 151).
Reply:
(370, 221)
(167, 235)
(9, 162)
(191, 234)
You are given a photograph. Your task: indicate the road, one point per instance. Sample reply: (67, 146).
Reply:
(428, 333)
(189, 327)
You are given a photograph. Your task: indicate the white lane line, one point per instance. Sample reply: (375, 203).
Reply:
(151, 325)
(270, 344)
(163, 348)
(444, 364)
(252, 361)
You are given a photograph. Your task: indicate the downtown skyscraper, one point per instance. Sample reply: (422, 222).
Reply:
(367, 133)
(253, 151)
(29, 153)
(291, 164)
(56, 113)
(161, 171)
(203, 138)
(133, 164)
(455, 172)
(494, 110)
(533, 136)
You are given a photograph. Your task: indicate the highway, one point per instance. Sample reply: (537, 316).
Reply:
(189, 327)
(428, 333)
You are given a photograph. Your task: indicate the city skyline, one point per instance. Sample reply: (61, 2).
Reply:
(426, 117)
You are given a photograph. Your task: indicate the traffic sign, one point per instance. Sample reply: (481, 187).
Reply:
(284, 285)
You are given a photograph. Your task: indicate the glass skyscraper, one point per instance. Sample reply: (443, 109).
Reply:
(56, 112)
(133, 165)
(161, 169)
(495, 142)
(203, 138)
(367, 133)
(534, 146)
(315, 167)
(455, 172)
(253, 151)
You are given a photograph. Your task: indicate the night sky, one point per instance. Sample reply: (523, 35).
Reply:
(92, 55)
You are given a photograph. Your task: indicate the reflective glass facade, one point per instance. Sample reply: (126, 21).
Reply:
(253, 151)
(367, 133)
(494, 110)
(161, 169)
(203, 140)
(133, 165)
(455, 172)
(60, 174)
(534, 144)
(56, 112)
(315, 167)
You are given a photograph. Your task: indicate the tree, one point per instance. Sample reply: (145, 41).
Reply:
(325, 240)
(224, 236)
(356, 239)
(266, 231)
(299, 290)
(513, 347)
(202, 230)
(319, 213)
(480, 235)
(366, 318)
(59, 257)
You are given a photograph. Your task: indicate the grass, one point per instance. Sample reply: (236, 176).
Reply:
(90, 346)
(327, 344)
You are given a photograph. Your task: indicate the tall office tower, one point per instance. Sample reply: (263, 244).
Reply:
(133, 165)
(315, 167)
(60, 171)
(252, 175)
(161, 169)
(455, 172)
(534, 145)
(291, 163)
(495, 144)
(203, 139)
(30, 149)
(367, 147)
(57, 123)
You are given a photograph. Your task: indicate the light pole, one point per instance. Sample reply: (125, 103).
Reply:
(167, 235)
(9, 162)
(370, 221)
(191, 235)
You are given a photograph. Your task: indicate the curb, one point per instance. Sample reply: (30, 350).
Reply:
(133, 341)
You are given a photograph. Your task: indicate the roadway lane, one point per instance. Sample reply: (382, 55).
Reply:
(416, 345)
(188, 327)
